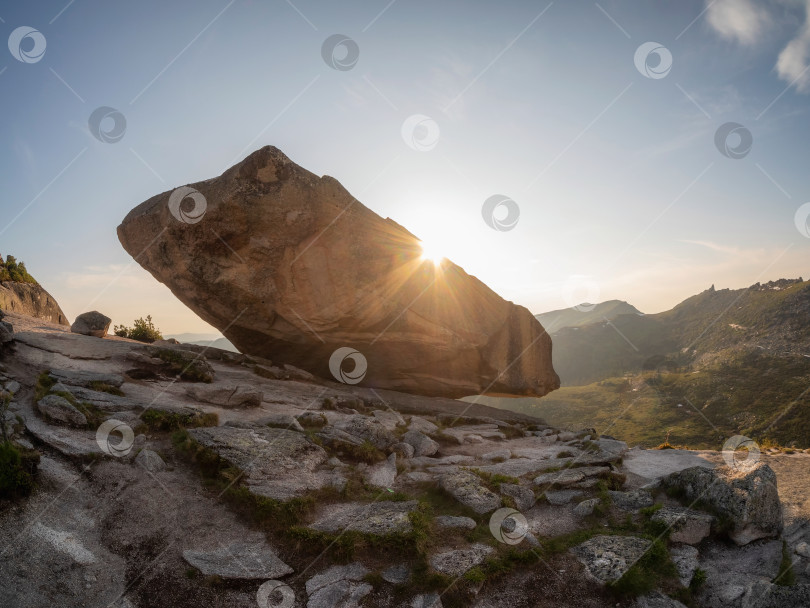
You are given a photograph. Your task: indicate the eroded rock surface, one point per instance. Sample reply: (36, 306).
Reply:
(238, 561)
(607, 558)
(747, 496)
(277, 463)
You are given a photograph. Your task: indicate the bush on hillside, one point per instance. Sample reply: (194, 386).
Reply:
(12, 270)
(143, 330)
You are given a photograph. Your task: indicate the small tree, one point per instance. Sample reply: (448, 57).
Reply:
(143, 330)
(12, 270)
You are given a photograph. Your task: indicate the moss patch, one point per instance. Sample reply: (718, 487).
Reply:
(159, 420)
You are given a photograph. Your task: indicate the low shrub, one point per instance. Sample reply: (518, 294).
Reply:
(18, 465)
(143, 330)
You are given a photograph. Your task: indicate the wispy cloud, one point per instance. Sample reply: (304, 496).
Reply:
(738, 253)
(743, 21)
(794, 60)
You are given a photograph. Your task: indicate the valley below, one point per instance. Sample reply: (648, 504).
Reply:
(722, 363)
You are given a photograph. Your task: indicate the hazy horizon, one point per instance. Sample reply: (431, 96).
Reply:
(622, 189)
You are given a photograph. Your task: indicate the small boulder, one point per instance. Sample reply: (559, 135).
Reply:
(422, 444)
(562, 497)
(368, 429)
(687, 526)
(631, 501)
(239, 561)
(685, 559)
(59, 409)
(457, 562)
(524, 497)
(338, 586)
(403, 450)
(91, 324)
(311, 419)
(389, 419)
(151, 461)
(467, 488)
(586, 507)
(746, 496)
(423, 426)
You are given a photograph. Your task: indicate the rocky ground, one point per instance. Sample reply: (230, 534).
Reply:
(174, 476)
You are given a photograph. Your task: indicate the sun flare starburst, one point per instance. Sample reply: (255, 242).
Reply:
(430, 251)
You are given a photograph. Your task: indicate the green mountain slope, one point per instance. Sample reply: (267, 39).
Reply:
(721, 363)
(556, 320)
(774, 317)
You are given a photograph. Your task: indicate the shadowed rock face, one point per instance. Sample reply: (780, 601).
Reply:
(32, 300)
(289, 266)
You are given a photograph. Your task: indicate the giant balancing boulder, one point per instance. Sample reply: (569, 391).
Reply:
(291, 267)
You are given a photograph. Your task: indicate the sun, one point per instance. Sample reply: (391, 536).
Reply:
(430, 251)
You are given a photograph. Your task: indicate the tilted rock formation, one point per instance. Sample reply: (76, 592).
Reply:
(32, 300)
(289, 266)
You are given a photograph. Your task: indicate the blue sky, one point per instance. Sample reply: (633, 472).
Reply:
(621, 190)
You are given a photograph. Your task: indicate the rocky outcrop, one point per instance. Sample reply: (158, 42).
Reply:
(458, 561)
(32, 300)
(747, 497)
(239, 561)
(289, 266)
(379, 518)
(229, 396)
(607, 558)
(277, 463)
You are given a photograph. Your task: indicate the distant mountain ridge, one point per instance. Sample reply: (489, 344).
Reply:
(774, 317)
(211, 340)
(720, 363)
(585, 314)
